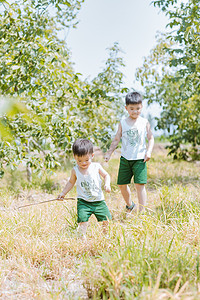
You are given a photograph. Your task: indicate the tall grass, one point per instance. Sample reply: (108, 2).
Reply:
(150, 256)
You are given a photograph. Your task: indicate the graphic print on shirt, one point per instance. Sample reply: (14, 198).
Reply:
(90, 188)
(133, 137)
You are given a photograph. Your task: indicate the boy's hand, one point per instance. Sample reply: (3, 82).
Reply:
(147, 157)
(61, 196)
(107, 157)
(107, 189)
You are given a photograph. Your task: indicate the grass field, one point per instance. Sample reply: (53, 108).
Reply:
(155, 255)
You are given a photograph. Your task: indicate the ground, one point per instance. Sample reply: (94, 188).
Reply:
(150, 256)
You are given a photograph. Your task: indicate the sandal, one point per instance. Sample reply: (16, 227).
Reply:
(131, 207)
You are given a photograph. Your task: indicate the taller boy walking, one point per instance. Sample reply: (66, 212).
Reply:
(133, 131)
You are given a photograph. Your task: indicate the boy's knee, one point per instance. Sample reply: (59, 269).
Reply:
(139, 186)
(122, 186)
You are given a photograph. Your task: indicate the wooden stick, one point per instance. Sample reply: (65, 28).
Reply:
(31, 204)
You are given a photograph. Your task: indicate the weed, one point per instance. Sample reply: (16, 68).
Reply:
(150, 256)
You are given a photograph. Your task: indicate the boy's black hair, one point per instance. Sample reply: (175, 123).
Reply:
(133, 98)
(82, 147)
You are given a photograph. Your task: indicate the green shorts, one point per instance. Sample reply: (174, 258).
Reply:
(99, 208)
(130, 168)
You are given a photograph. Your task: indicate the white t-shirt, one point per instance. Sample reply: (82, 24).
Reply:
(89, 186)
(134, 139)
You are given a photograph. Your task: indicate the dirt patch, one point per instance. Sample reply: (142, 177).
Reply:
(160, 148)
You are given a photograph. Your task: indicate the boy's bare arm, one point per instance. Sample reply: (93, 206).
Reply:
(114, 143)
(150, 143)
(70, 184)
(106, 178)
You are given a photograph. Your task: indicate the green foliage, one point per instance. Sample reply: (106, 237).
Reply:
(170, 76)
(37, 70)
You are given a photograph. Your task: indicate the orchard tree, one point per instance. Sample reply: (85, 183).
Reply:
(56, 106)
(171, 76)
(34, 64)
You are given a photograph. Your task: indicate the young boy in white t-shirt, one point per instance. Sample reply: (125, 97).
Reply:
(87, 176)
(133, 131)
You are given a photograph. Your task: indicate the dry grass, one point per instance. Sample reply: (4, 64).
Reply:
(151, 256)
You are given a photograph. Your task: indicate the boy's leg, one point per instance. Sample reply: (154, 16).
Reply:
(126, 193)
(105, 226)
(83, 213)
(102, 214)
(124, 178)
(142, 196)
(140, 179)
(82, 228)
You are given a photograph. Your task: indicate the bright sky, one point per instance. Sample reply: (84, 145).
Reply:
(132, 23)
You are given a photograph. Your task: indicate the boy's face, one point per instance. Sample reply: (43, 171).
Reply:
(84, 161)
(134, 110)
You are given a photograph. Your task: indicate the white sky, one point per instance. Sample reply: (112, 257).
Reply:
(132, 23)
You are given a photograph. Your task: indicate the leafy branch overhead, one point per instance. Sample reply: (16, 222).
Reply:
(36, 69)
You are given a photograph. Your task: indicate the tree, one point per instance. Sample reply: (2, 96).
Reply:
(37, 70)
(171, 76)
